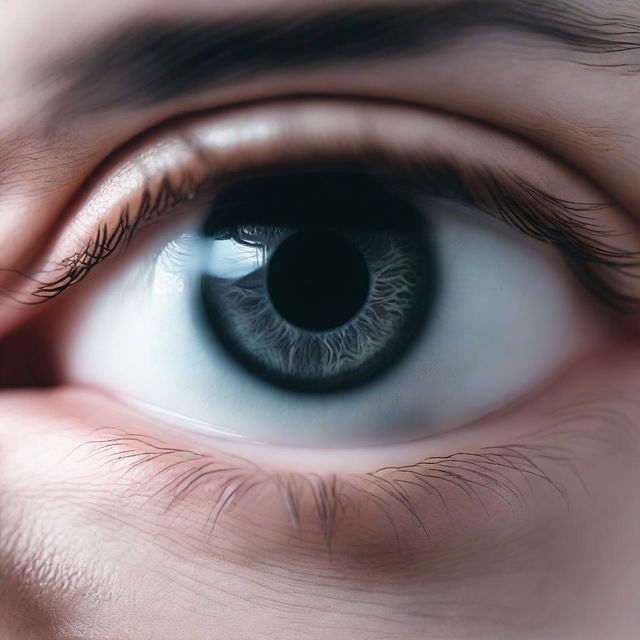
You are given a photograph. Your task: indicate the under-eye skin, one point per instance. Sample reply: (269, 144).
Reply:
(520, 207)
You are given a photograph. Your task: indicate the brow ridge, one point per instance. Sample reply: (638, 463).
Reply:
(149, 61)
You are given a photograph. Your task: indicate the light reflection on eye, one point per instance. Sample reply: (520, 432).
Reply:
(485, 315)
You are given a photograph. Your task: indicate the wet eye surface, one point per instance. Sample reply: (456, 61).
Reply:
(317, 283)
(329, 306)
(331, 275)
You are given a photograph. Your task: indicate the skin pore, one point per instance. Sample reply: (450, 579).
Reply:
(529, 524)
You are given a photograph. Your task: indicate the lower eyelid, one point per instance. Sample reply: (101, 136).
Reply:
(357, 515)
(77, 462)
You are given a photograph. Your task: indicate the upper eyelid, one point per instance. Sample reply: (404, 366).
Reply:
(329, 127)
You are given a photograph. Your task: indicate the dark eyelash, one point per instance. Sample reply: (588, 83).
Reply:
(569, 227)
(564, 224)
(315, 504)
(108, 242)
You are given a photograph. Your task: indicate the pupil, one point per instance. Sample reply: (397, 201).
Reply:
(318, 280)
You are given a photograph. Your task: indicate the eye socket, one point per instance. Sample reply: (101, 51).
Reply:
(506, 317)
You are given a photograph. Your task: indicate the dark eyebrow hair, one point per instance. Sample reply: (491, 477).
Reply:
(149, 61)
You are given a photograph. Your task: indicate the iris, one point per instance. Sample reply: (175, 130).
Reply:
(317, 282)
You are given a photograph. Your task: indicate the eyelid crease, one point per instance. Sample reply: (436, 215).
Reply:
(429, 152)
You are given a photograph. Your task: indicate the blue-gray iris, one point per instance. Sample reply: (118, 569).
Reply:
(317, 282)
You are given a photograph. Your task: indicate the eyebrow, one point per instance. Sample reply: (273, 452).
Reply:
(150, 61)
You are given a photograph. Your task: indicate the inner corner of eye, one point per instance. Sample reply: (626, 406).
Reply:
(325, 309)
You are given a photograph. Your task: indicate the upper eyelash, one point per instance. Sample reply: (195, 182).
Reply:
(107, 242)
(580, 240)
(565, 224)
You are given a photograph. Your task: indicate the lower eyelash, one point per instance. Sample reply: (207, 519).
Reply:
(401, 503)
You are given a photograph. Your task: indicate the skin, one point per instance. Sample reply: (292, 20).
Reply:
(87, 552)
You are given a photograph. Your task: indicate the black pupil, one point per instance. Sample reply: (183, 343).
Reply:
(318, 280)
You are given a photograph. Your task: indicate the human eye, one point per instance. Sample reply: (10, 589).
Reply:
(361, 280)
(336, 285)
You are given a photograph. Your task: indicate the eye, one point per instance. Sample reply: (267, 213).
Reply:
(338, 295)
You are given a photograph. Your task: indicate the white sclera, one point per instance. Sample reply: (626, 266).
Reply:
(508, 317)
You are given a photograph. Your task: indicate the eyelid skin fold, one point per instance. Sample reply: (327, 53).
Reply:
(167, 168)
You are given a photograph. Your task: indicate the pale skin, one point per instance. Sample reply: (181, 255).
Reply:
(87, 552)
